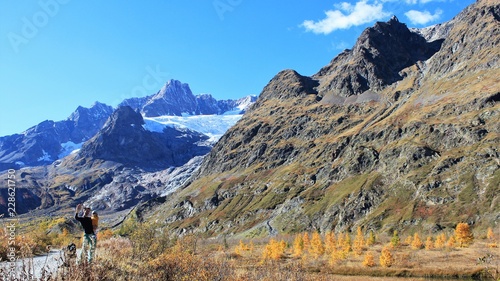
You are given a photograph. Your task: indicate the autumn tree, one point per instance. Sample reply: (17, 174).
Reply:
(416, 243)
(440, 241)
(490, 235)
(451, 242)
(463, 235)
(359, 242)
(298, 245)
(371, 238)
(241, 247)
(386, 258)
(317, 249)
(330, 242)
(274, 250)
(346, 246)
(429, 244)
(337, 255)
(369, 260)
(395, 239)
(307, 241)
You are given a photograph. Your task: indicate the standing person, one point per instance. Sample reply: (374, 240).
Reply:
(89, 239)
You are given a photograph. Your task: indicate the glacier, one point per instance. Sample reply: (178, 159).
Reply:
(213, 126)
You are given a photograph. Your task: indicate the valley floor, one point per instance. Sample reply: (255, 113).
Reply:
(146, 252)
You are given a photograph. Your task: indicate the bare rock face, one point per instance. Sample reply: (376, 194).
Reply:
(400, 132)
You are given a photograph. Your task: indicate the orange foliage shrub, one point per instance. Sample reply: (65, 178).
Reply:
(416, 243)
(274, 250)
(386, 258)
(440, 241)
(463, 235)
(369, 260)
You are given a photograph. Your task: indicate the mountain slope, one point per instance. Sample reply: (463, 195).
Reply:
(388, 136)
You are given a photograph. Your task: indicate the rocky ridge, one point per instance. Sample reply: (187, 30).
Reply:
(176, 99)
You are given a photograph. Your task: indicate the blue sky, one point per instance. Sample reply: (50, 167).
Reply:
(58, 54)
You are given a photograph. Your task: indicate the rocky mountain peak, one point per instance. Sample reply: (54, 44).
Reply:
(174, 98)
(123, 118)
(96, 110)
(376, 60)
(288, 84)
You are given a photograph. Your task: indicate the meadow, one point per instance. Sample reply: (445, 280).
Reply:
(144, 252)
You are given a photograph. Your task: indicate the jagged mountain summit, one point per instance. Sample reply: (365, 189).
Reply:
(49, 140)
(399, 132)
(176, 99)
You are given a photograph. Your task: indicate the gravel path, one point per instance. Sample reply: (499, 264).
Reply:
(36, 267)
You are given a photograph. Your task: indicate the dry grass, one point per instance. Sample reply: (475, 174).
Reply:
(147, 253)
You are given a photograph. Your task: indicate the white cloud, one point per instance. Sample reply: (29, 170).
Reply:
(346, 17)
(413, 2)
(418, 17)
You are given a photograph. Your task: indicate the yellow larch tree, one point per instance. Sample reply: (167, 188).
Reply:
(451, 242)
(429, 244)
(408, 240)
(240, 248)
(369, 260)
(340, 240)
(490, 235)
(337, 255)
(359, 242)
(330, 242)
(386, 258)
(307, 241)
(440, 241)
(298, 246)
(371, 239)
(317, 249)
(463, 235)
(346, 246)
(416, 243)
(274, 250)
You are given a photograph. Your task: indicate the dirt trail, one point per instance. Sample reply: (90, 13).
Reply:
(37, 267)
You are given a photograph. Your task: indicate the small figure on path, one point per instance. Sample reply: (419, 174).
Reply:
(89, 238)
